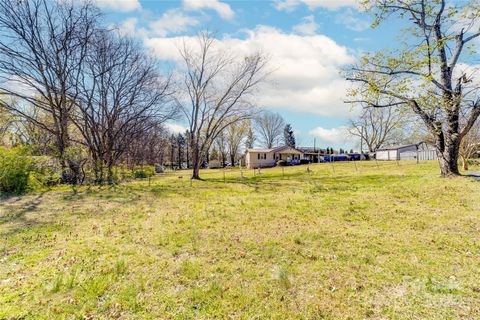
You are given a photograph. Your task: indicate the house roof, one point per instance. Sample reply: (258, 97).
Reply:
(396, 147)
(274, 150)
(281, 148)
(259, 150)
(310, 150)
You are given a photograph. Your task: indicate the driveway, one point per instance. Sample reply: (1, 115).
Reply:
(475, 175)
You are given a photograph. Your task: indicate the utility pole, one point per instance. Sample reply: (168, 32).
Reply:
(361, 145)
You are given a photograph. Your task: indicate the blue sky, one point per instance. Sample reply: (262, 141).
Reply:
(309, 42)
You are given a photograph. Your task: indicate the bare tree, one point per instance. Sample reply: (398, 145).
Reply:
(42, 46)
(6, 120)
(122, 97)
(25, 132)
(150, 147)
(269, 127)
(236, 135)
(377, 127)
(427, 74)
(221, 146)
(217, 87)
(470, 144)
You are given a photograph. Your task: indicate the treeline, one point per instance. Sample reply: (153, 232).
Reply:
(78, 91)
(93, 101)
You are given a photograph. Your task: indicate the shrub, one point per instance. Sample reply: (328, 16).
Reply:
(282, 163)
(46, 171)
(304, 161)
(15, 170)
(144, 172)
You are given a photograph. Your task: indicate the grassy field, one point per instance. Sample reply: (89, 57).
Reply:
(382, 241)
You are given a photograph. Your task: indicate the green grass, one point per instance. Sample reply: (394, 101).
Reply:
(383, 241)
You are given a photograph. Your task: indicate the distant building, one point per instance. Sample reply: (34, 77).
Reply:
(312, 154)
(420, 151)
(264, 158)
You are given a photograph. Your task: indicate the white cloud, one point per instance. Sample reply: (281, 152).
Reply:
(308, 26)
(128, 27)
(119, 5)
(175, 128)
(336, 136)
(223, 10)
(304, 79)
(171, 22)
(352, 21)
(289, 5)
(21, 85)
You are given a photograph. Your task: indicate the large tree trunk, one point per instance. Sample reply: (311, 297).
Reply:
(75, 171)
(448, 152)
(196, 163)
(196, 169)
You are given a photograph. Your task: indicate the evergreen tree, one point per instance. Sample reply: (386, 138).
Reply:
(187, 147)
(181, 142)
(250, 139)
(288, 137)
(173, 145)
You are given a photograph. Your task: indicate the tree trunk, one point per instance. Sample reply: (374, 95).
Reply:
(74, 167)
(196, 169)
(447, 153)
(464, 163)
(110, 176)
(232, 159)
(196, 163)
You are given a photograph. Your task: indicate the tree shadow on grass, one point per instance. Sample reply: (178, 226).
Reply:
(19, 215)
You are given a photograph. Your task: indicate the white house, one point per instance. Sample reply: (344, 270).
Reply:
(420, 151)
(262, 158)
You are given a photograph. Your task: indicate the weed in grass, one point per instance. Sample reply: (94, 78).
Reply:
(70, 280)
(281, 276)
(96, 286)
(57, 284)
(190, 269)
(435, 286)
(120, 267)
(298, 240)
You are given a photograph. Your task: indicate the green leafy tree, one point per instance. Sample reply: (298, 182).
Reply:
(428, 73)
